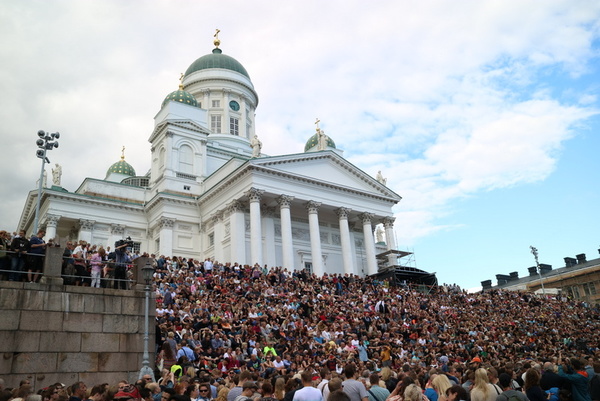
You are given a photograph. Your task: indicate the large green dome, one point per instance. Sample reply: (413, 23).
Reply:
(217, 60)
(181, 96)
(314, 141)
(121, 167)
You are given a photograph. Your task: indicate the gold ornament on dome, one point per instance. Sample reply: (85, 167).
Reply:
(217, 42)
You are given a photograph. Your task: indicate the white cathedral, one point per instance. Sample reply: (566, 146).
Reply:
(210, 193)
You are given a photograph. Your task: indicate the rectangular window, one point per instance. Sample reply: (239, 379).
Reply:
(234, 126)
(589, 289)
(216, 103)
(308, 267)
(211, 239)
(215, 124)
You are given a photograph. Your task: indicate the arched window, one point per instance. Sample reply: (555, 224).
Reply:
(186, 159)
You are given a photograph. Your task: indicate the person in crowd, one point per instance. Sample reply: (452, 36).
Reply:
(377, 393)
(508, 393)
(20, 247)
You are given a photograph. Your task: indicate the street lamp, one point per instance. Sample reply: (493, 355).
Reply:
(534, 251)
(45, 143)
(147, 273)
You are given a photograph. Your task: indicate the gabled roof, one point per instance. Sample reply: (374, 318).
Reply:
(183, 124)
(324, 168)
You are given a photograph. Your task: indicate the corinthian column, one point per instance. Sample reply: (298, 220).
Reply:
(254, 196)
(369, 242)
(51, 224)
(237, 232)
(390, 239)
(166, 235)
(218, 232)
(347, 258)
(287, 246)
(315, 237)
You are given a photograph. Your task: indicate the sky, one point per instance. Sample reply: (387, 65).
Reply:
(482, 115)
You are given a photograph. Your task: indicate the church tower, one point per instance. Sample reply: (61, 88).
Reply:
(222, 86)
(204, 123)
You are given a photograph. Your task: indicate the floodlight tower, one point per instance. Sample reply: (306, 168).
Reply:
(45, 143)
(534, 251)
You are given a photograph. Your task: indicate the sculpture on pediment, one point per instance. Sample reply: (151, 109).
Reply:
(380, 178)
(256, 146)
(56, 175)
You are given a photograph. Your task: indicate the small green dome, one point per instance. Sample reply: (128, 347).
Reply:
(314, 141)
(217, 60)
(121, 167)
(181, 96)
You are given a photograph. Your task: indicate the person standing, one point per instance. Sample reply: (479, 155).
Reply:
(377, 393)
(97, 264)
(505, 381)
(307, 392)
(573, 370)
(37, 251)
(20, 247)
(355, 389)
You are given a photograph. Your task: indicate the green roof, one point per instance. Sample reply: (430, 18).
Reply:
(181, 96)
(314, 141)
(217, 60)
(121, 167)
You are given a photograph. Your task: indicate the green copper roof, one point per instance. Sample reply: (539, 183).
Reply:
(121, 167)
(314, 141)
(217, 60)
(181, 96)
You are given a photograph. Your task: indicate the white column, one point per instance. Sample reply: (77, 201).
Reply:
(268, 229)
(205, 102)
(254, 196)
(85, 230)
(287, 246)
(315, 237)
(51, 224)
(369, 243)
(237, 233)
(218, 233)
(166, 236)
(345, 240)
(226, 98)
(390, 238)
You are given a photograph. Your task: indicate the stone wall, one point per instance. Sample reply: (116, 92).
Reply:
(55, 333)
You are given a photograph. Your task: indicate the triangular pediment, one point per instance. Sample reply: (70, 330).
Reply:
(179, 125)
(326, 167)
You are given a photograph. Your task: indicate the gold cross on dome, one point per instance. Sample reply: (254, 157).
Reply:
(123, 153)
(317, 123)
(216, 35)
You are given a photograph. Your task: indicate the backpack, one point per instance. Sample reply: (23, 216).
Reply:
(513, 397)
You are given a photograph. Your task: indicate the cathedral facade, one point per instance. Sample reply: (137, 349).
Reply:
(211, 193)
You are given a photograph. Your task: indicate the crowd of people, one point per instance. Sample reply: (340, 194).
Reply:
(225, 331)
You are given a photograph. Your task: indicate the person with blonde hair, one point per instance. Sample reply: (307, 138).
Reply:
(413, 393)
(440, 384)
(483, 390)
(279, 392)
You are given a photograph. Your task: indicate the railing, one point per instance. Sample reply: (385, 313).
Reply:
(74, 271)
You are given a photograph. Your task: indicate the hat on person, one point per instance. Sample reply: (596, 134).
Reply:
(249, 384)
(504, 380)
(476, 359)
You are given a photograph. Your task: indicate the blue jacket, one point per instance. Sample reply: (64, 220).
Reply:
(579, 384)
